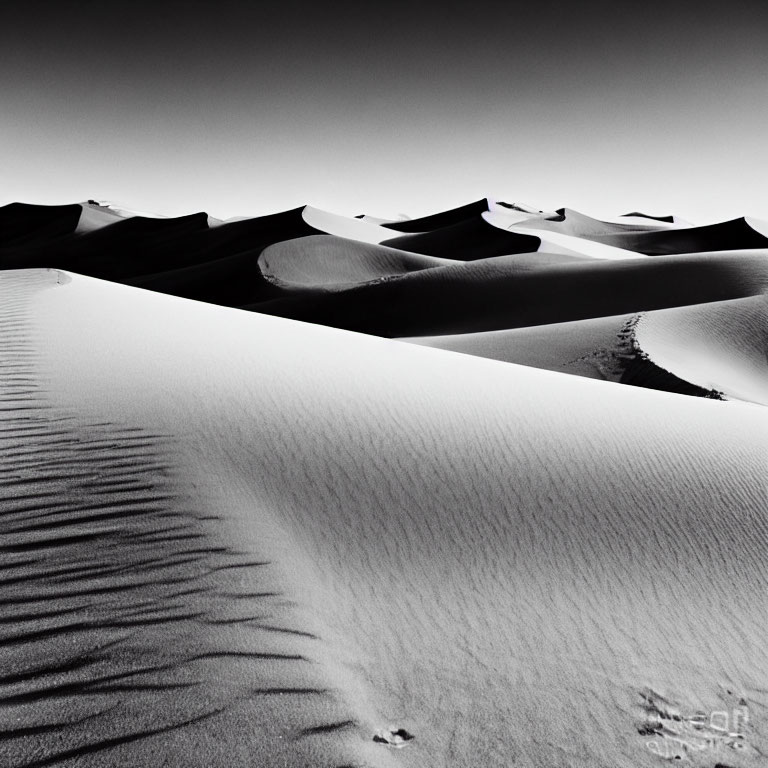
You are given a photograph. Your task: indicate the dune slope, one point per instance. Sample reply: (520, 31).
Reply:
(22, 224)
(440, 219)
(470, 239)
(719, 349)
(595, 348)
(287, 539)
(722, 346)
(524, 290)
(323, 261)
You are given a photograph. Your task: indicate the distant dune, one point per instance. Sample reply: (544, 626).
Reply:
(468, 240)
(442, 219)
(513, 292)
(428, 509)
(324, 261)
(488, 267)
(26, 225)
(728, 235)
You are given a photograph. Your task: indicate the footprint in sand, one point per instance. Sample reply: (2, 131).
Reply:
(393, 737)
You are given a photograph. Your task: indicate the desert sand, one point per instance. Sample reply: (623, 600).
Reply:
(324, 261)
(411, 508)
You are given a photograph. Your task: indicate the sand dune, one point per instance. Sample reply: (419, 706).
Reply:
(260, 263)
(139, 245)
(571, 232)
(718, 349)
(659, 222)
(722, 346)
(577, 224)
(235, 280)
(458, 215)
(519, 290)
(343, 226)
(557, 242)
(741, 233)
(106, 242)
(596, 348)
(524, 268)
(440, 219)
(24, 225)
(517, 208)
(325, 261)
(94, 216)
(235, 540)
(470, 239)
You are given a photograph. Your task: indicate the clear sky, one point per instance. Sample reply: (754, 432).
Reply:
(246, 108)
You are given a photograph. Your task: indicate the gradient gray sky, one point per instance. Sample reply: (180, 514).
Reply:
(243, 109)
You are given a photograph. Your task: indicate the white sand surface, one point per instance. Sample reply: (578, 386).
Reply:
(556, 242)
(721, 346)
(343, 226)
(594, 348)
(95, 217)
(508, 563)
(758, 225)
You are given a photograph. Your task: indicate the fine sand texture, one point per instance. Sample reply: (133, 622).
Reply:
(232, 539)
(722, 346)
(322, 261)
(597, 348)
(716, 350)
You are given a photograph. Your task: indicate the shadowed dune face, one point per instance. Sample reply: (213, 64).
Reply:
(139, 246)
(441, 219)
(483, 267)
(715, 237)
(234, 280)
(26, 225)
(504, 562)
(468, 240)
(510, 292)
(183, 256)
